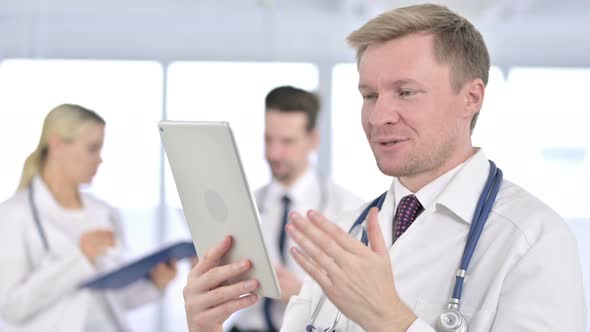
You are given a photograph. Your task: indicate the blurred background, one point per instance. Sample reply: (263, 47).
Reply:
(137, 62)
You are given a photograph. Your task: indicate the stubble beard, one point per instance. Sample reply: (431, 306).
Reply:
(421, 161)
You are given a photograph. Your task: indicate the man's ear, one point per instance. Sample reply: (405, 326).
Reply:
(474, 93)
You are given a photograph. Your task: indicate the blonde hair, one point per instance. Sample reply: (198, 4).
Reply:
(456, 40)
(65, 120)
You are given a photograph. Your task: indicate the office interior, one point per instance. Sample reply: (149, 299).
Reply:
(137, 62)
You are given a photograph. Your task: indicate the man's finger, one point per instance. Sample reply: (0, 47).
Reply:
(218, 275)
(335, 232)
(221, 312)
(312, 249)
(315, 272)
(212, 257)
(317, 244)
(374, 233)
(223, 294)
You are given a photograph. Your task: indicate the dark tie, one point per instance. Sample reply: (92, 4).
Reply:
(267, 305)
(282, 238)
(409, 208)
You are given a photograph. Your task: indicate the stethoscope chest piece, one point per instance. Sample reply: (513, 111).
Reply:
(451, 321)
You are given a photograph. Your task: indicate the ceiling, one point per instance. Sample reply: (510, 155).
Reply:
(538, 32)
(473, 9)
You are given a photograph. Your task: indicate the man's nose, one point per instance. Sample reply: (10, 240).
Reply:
(274, 150)
(386, 111)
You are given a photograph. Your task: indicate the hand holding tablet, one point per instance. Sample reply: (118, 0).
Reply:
(219, 209)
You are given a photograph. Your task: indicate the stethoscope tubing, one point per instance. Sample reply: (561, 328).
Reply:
(483, 208)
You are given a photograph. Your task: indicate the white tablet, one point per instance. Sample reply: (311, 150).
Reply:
(215, 195)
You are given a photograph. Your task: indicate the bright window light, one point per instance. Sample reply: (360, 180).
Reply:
(232, 92)
(351, 154)
(549, 146)
(128, 94)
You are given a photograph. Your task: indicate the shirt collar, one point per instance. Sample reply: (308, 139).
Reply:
(427, 194)
(306, 185)
(457, 190)
(460, 196)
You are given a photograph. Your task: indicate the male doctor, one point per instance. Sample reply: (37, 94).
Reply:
(422, 76)
(290, 138)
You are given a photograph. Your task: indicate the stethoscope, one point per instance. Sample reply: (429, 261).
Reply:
(41, 231)
(451, 320)
(35, 213)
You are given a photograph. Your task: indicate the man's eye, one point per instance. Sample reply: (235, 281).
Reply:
(407, 93)
(369, 97)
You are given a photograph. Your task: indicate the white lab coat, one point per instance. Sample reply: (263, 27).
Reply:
(39, 288)
(309, 192)
(524, 276)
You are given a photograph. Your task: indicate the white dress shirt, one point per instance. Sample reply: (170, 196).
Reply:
(524, 276)
(309, 192)
(39, 286)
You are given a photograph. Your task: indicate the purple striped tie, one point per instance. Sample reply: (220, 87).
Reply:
(409, 208)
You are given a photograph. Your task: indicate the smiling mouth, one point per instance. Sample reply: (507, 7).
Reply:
(391, 143)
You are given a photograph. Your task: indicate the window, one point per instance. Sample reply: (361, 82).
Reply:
(233, 92)
(351, 154)
(538, 135)
(127, 94)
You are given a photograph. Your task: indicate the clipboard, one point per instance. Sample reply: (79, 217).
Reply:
(140, 268)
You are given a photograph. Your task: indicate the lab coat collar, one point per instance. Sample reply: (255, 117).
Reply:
(460, 196)
(305, 186)
(45, 201)
(42, 196)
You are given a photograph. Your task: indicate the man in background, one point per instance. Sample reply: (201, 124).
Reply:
(291, 137)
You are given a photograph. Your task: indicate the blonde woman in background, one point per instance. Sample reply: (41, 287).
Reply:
(54, 237)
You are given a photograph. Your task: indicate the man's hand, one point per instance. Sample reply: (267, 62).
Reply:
(290, 284)
(357, 279)
(94, 244)
(208, 297)
(163, 273)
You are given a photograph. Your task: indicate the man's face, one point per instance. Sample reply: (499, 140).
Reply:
(287, 144)
(415, 122)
